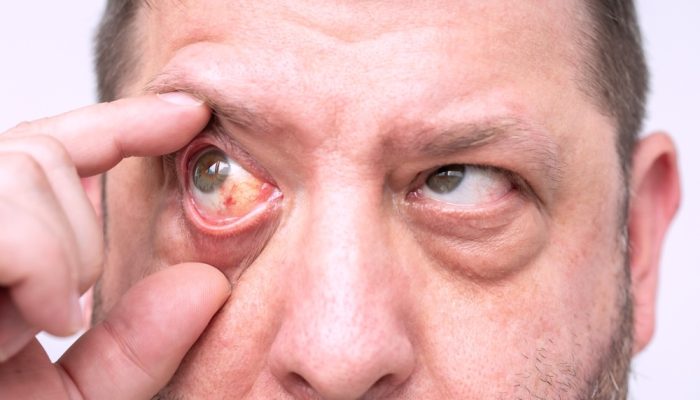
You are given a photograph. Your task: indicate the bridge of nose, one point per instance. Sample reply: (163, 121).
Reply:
(343, 331)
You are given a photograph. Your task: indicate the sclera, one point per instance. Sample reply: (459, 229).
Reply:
(240, 198)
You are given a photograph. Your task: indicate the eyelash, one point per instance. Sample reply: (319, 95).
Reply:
(214, 135)
(178, 165)
(519, 184)
(169, 163)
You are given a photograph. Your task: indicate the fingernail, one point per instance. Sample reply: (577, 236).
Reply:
(180, 99)
(76, 315)
(14, 345)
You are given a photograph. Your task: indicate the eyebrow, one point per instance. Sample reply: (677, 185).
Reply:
(516, 136)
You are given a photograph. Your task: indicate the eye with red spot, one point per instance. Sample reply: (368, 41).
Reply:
(221, 191)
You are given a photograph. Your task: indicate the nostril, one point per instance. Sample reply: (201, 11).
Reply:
(384, 386)
(384, 380)
(300, 388)
(298, 379)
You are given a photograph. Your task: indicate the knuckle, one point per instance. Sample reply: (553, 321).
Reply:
(22, 127)
(22, 168)
(27, 128)
(26, 260)
(46, 150)
(50, 150)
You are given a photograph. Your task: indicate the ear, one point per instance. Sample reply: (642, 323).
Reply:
(654, 199)
(93, 189)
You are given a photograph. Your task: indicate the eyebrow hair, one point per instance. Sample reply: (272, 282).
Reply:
(539, 149)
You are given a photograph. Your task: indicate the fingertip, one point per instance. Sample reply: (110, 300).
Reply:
(212, 278)
(192, 109)
(180, 99)
(143, 339)
(160, 124)
(144, 126)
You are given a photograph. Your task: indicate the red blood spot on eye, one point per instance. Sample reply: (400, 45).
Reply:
(229, 201)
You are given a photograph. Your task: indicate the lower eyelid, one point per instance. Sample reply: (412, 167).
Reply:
(464, 222)
(256, 213)
(418, 198)
(256, 217)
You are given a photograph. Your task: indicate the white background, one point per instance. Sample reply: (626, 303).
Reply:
(46, 68)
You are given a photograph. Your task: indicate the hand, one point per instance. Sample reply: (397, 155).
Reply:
(51, 244)
(133, 352)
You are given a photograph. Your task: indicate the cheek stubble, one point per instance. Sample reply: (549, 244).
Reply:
(556, 376)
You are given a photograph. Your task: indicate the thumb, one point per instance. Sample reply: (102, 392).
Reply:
(134, 352)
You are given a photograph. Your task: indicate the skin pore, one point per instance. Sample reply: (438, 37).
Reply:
(357, 282)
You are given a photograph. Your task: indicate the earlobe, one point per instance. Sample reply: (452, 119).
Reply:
(654, 199)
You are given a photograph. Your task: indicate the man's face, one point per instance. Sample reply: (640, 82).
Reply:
(440, 210)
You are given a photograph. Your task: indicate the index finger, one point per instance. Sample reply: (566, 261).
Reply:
(98, 137)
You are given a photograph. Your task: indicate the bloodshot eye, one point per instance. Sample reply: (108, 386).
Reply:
(222, 190)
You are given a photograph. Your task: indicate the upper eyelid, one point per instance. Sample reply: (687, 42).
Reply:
(216, 135)
(519, 183)
(216, 131)
(422, 176)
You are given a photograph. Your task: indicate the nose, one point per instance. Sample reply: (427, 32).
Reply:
(344, 334)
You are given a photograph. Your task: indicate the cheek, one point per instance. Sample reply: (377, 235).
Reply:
(243, 329)
(529, 335)
(132, 209)
(530, 303)
(489, 251)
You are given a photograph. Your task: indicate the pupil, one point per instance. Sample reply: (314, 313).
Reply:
(210, 171)
(446, 179)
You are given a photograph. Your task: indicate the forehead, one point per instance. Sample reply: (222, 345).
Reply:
(410, 60)
(354, 20)
(520, 29)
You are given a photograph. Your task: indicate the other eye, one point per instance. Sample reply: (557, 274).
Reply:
(221, 189)
(469, 185)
